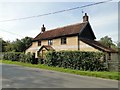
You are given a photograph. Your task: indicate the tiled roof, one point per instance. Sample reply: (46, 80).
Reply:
(47, 47)
(97, 45)
(62, 31)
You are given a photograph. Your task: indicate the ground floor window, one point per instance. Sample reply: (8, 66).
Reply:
(63, 40)
(109, 56)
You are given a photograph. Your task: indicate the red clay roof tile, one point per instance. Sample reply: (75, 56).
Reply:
(98, 45)
(62, 31)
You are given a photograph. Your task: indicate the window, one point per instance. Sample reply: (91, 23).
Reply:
(50, 42)
(109, 56)
(63, 40)
(39, 43)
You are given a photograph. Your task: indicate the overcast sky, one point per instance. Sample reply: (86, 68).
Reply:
(103, 18)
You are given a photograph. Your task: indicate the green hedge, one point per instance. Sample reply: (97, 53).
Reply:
(76, 60)
(20, 57)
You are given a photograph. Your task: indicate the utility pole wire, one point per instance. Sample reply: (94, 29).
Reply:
(49, 14)
(29, 17)
(11, 32)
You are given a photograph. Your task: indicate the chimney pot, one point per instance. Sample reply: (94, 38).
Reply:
(85, 18)
(43, 28)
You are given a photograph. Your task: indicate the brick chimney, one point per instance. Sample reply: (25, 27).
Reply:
(85, 18)
(43, 29)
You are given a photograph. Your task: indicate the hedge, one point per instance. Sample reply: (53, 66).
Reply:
(20, 57)
(91, 61)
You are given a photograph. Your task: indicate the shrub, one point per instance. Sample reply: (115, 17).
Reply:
(11, 56)
(19, 56)
(41, 61)
(76, 60)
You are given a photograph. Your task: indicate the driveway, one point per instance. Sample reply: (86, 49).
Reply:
(14, 76)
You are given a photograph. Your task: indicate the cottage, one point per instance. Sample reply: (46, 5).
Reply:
(78, 36)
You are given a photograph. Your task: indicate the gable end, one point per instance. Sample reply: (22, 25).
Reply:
(87, 32)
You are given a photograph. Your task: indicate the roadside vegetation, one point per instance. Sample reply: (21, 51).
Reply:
(77, 60)
(74, 62)
(100, 74)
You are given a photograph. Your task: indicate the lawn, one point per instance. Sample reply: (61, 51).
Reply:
(100, 74)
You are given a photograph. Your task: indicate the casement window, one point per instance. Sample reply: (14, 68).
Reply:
(50, 42)
(39, 43)
(109, 56)
(63, 40)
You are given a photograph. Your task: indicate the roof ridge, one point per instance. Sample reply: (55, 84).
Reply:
(66, 26)
(72, 29)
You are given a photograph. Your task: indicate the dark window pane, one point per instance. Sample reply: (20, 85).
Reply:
(63, 40)
(39, 43)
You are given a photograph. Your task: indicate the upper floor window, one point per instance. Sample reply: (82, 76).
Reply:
(63, 40)
(50, 42)
(39, 43)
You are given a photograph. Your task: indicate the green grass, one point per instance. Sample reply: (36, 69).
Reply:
(105, 74)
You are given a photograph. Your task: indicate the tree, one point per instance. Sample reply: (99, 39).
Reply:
(9, 47)
(3, 45)
(16, 46)
(27, 41)
(107, 41)
(22, 45)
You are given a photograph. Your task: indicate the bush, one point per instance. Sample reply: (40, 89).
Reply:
(11, 56)
(20, 57)
(76, 60)
(41, 61)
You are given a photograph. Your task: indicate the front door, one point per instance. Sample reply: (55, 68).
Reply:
(43, 54)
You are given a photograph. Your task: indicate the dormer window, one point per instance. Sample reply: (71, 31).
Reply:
(63, 40)
(50, 42)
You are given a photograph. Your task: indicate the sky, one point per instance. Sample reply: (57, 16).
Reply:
(103, 18)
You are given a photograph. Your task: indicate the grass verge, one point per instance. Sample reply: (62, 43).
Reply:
(105, 74)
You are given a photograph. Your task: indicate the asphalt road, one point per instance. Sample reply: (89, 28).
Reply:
(14, 76)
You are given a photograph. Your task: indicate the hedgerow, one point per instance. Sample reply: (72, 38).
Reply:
(20, 57)
(91, 61)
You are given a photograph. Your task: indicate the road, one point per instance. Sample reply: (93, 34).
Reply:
(14, 76)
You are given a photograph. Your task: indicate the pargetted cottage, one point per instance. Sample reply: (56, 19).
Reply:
(78, 36)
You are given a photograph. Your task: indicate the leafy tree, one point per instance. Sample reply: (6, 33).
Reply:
(23, 44)
(107, 41)
(17, 46)
(4, 44)
(27, 41)
(9, 47)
